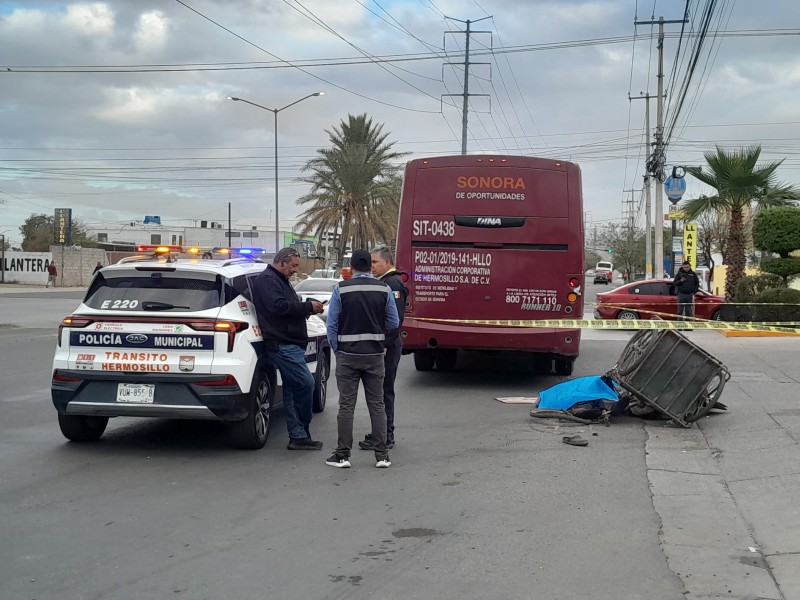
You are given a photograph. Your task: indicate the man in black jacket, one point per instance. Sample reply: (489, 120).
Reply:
(688, 283)
(282, 319)
(383, 269)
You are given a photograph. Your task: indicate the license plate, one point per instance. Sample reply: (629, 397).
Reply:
(140, 393)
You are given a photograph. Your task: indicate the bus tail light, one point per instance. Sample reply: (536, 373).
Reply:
(572, 297)
(574, 282)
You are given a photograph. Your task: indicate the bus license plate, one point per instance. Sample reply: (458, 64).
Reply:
(140, 393)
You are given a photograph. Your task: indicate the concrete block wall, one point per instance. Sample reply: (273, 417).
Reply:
(75, 264)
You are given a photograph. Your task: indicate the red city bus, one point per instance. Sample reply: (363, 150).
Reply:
(491, 238)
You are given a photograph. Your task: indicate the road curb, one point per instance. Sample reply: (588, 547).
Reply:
(704, 536)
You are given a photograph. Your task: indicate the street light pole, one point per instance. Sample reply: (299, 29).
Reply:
(275, 112)
(3, 256)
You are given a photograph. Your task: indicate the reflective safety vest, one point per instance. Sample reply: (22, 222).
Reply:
(362, 321)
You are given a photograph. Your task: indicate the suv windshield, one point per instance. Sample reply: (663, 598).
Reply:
(159, 291)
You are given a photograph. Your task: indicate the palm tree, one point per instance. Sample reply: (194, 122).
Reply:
(355, 188)
(742, 187)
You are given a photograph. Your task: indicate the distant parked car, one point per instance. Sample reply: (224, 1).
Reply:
(654, 297)
(317, 288)
(324, 274)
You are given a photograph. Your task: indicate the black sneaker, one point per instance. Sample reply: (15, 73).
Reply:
(340, 462)
(304, 444)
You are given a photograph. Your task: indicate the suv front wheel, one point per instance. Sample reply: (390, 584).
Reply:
(251, 433)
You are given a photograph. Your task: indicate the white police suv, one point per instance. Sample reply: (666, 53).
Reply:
(176, 339)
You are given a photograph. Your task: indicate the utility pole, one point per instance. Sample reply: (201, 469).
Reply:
(648, 212)
(629, 210)
(656, 163)
(466, 63)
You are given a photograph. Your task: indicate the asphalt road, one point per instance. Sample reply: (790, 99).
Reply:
(480, 502)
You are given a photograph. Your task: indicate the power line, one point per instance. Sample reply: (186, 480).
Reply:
(345, 61)
(301, 69)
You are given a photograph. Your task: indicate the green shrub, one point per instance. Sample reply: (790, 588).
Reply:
(785, 305)
(750, 285)
(786, 268)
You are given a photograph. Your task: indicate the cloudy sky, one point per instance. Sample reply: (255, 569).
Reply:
(117, 108)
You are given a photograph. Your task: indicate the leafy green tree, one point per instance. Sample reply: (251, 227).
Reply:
(628, 248)
(38, 231)
(355, 187)
(742, 187)
(590, 259)
(777, 230)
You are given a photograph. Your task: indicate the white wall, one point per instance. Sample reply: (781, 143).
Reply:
(26, 267)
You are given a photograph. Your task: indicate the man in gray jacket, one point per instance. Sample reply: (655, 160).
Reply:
(361, 312)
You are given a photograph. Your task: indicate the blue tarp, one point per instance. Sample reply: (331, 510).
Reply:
(583, 389)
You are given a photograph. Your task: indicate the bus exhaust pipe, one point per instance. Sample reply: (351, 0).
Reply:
(432, 343)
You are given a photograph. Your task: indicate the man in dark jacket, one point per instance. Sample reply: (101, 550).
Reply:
(282, 319)
(688, 284)
(383, 268)
(361, 311)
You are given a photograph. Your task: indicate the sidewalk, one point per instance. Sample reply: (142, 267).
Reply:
(18, 288)
(728, 489)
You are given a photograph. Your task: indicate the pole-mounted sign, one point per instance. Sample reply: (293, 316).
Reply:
(62, 227)
(690, 243)
(675, 187)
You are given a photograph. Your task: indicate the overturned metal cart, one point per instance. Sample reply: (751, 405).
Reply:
(667, 371)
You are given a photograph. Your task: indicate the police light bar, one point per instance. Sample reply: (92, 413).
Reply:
(158, 248)
(239, 251)
(193, 250)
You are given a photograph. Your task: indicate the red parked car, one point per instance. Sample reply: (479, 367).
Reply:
(646, 299)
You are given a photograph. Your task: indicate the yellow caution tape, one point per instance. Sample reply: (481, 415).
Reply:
(733, 303)
(623, 324)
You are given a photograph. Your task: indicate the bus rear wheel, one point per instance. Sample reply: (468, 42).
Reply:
(424, 360)
(564, 366)
(446, 359)
(542, 364)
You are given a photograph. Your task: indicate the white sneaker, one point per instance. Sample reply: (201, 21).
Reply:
(338, 462)
(383, 463)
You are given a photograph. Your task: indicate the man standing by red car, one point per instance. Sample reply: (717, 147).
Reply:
(688, 284)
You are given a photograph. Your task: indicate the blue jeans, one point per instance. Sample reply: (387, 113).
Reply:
(298, 388)
(685, 306)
